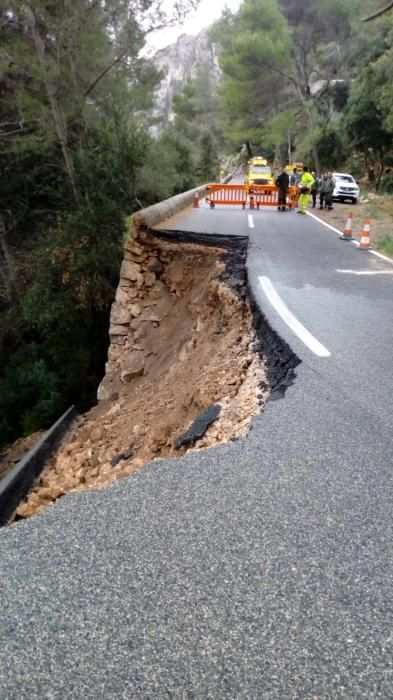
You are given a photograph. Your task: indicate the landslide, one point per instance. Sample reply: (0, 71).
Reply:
(182, 340)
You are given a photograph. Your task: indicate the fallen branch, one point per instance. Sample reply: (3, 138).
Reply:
(379, 13)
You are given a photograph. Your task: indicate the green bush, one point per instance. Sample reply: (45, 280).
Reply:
(385, 243)
(387, 184)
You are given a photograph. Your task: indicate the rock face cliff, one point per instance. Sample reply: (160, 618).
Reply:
(180, 62)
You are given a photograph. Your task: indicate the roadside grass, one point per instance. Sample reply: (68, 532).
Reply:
(385, 244)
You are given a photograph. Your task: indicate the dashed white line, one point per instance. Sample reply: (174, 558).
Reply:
(250, 221)
(305, 336)
(332, 228)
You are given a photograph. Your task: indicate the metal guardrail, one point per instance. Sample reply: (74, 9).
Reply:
(19, 480)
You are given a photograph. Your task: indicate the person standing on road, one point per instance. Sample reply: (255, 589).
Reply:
(282, 182)
(326, 192)
(329, 194)
(294, 179)
(305, 186)
(315, 188)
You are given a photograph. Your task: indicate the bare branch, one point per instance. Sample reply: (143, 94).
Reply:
(104, 72)
(379, 13)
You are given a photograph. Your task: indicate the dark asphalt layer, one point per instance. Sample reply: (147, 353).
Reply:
(261, 569)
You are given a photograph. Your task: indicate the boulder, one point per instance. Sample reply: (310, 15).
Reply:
(135, 310)
(119, 315)
(158, 289)
(105, 389)
(118, 339)
(150, 278)
(133, 366)
(130, 270)
(121, 296)
(115, 330)
(139, 259)
(139, 280)
(133, 247)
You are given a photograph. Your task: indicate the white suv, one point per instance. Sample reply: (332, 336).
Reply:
(345, 188)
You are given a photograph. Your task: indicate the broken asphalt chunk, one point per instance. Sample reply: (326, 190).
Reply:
(199, 427)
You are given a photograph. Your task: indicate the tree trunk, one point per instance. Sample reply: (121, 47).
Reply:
(249, 149)
(311, 126)
(381, 171)
(289, 148)
(8, 269)
(51, 93)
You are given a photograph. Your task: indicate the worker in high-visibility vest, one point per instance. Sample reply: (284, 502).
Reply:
(305, 186)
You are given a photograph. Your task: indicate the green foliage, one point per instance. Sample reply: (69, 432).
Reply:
(387, 184)
(255, 50)
(207, 166)
(76, 159)
(31, 393)
(332, 148)
(307, 79)
(168, 169)
(385, 243)
(196, 105)
(364, 118)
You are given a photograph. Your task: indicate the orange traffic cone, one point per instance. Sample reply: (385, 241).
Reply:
(196, 201)
(365, 239)
(347, 235)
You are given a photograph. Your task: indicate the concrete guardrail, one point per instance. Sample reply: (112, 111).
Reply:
(157, 213)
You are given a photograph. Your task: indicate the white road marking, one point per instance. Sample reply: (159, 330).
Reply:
(250, 221)
(367, 272)
(305, 336)
(383, 257)
(332, 228)
(321, 221)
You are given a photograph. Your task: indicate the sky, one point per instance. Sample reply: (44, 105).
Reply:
(208, 11)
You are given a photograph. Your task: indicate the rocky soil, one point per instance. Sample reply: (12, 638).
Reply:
(182, 339)
(12, 454)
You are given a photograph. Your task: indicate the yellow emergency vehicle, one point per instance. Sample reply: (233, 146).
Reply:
(259, 172)
(291, 166)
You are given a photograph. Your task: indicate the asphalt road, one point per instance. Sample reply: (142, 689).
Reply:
(261, 569)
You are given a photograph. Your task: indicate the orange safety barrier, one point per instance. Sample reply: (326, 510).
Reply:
(254, 196)
(226, 194)
(267, 196)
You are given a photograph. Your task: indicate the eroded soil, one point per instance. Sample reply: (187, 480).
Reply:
(182, 339)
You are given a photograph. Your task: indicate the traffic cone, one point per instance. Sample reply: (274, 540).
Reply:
(347, 235)
(196, 201)
(365, 239)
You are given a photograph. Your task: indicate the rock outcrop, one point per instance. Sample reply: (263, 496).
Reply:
(179, 63)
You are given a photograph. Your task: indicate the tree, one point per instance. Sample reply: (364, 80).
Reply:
(73, 147)
(282, 49)
(364, 123)
(207, 166)
(254, 52)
